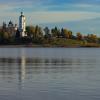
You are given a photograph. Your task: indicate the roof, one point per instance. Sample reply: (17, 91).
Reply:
(22, 14)
(10, 22)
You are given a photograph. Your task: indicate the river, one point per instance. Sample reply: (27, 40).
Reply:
(49, 74)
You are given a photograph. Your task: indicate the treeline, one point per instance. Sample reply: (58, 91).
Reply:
(38, 35)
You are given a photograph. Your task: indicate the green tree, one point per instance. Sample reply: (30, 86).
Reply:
(47, 32)
(4, 27)
(30, 31)
(56, 32)
(38, 32)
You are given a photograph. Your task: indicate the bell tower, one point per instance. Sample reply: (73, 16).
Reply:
(22, 25)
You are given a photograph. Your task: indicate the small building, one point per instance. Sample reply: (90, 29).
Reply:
(11, 29)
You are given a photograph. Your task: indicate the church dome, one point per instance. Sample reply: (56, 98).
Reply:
(10, 23)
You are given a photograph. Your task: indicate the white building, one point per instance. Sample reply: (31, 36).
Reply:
(22, 25)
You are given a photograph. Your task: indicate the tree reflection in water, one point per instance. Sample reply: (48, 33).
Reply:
(9, 66)
(23, 66)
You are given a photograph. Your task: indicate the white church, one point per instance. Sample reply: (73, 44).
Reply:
(22, 25)
(12, 28)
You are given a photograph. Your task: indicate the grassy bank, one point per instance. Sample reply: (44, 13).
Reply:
(69, 43)
(58, 42)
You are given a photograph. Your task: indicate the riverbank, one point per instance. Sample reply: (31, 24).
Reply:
(49, 46)
(56, 43)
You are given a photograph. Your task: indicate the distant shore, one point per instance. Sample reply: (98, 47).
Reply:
(53, 43)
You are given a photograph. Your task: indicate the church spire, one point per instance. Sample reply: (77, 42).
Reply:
(21, 13)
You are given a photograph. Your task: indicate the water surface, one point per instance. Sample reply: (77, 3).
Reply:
(49, 74)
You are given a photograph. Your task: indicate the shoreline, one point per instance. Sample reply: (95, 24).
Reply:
(44, 46)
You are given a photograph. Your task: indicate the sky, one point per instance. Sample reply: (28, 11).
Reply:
(76, 15)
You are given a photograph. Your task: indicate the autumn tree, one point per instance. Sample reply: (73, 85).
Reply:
(79, 36)
(70, 34)
(34, 32)
(66, 33)
(92, 38)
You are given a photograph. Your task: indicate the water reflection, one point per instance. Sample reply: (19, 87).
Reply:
(39, 61)
(23, 65)
(21, 70)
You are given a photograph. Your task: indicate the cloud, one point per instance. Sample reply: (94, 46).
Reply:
(51, 16)
(50, 2)
(50, 5)
(30, 6)
(60, 16)
(49, 11)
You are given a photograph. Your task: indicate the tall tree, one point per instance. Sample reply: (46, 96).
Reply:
(38, 32)
(4, 27)
(55, 32)
(30, 31)
(47, 32)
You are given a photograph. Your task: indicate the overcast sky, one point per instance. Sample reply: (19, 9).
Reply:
(77, 15)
